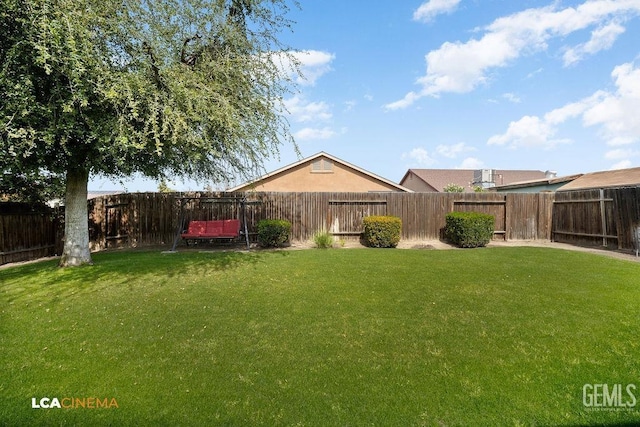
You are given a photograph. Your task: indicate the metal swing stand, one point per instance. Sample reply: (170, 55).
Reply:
(238, 200)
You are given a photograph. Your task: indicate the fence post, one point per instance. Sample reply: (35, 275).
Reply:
(603, 218)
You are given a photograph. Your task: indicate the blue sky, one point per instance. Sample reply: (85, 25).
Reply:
(530, 84)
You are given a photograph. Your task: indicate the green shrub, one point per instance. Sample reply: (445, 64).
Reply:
(382, 231)
(273, 233)
(453, 188)
(323, 239)
(469, 229)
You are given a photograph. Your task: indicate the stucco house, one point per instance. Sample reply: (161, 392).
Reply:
(435, 180)
(321, 172)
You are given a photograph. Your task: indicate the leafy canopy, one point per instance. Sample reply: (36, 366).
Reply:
(172, 87)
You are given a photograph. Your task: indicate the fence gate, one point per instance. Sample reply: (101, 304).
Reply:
(497, 208)
(585, 217)
(345, 216)
(116, 219)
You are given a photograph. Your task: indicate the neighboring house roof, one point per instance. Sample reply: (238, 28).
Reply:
(604, 179)
(538, 182)
(438, 179)
(392, 186)
(94, 194)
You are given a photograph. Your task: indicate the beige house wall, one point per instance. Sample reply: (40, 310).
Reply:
(302, 178)
(412, 182)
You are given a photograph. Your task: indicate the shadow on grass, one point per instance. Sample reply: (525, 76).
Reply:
(119, 269)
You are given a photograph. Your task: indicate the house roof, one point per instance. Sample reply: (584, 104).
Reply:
(93, 194)
(438, 179)
(312, 158)
(604, 179)
(538, 182)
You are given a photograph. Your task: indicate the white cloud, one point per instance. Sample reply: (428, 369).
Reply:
(314, 133)
(471, 163)
(312, 113)
(625, 164)
(452, 151)
(533, 73)
(601, 39)
(303, 111)
(572, 110)
(461, 67)
(511, 97)
(350, 105)
(620, 153)
(615, 113)
(420, 156)
(312, 64)
(432, 8)
(529, 131)
(533, 131)
(315, 64)
(409, 99)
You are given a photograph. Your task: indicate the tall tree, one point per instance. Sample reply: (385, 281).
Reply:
(163, 88)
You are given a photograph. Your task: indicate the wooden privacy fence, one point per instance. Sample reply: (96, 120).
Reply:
(140, 219)
(29, 232)
(133, 219)
(609, 217)
(518, 216)
(604, 217)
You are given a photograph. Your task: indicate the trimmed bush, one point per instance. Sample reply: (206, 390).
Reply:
(273, 233)
(469, 229)
(382, 231)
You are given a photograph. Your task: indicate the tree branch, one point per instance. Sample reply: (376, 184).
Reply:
(238, 10)
(154, 67)
(189, 60)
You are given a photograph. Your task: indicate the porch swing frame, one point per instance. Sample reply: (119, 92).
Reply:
(239, 201)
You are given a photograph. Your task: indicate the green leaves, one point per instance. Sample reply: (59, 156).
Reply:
(469, 229)
(174, 87)
(381, 231)
(453, 188)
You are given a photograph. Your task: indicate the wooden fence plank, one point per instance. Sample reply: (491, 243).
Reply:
(586, 217)
(28, 232)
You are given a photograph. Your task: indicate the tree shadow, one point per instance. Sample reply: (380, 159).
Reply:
(45, 281)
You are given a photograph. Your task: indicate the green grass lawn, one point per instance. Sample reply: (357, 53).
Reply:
(494, 336)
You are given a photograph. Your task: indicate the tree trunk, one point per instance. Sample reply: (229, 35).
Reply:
(76, 221)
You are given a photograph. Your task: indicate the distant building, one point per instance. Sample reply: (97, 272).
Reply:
(321, 172)
(435, 180)
(605, 179)
(90, 195)
(94, 194)
(549, 184)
